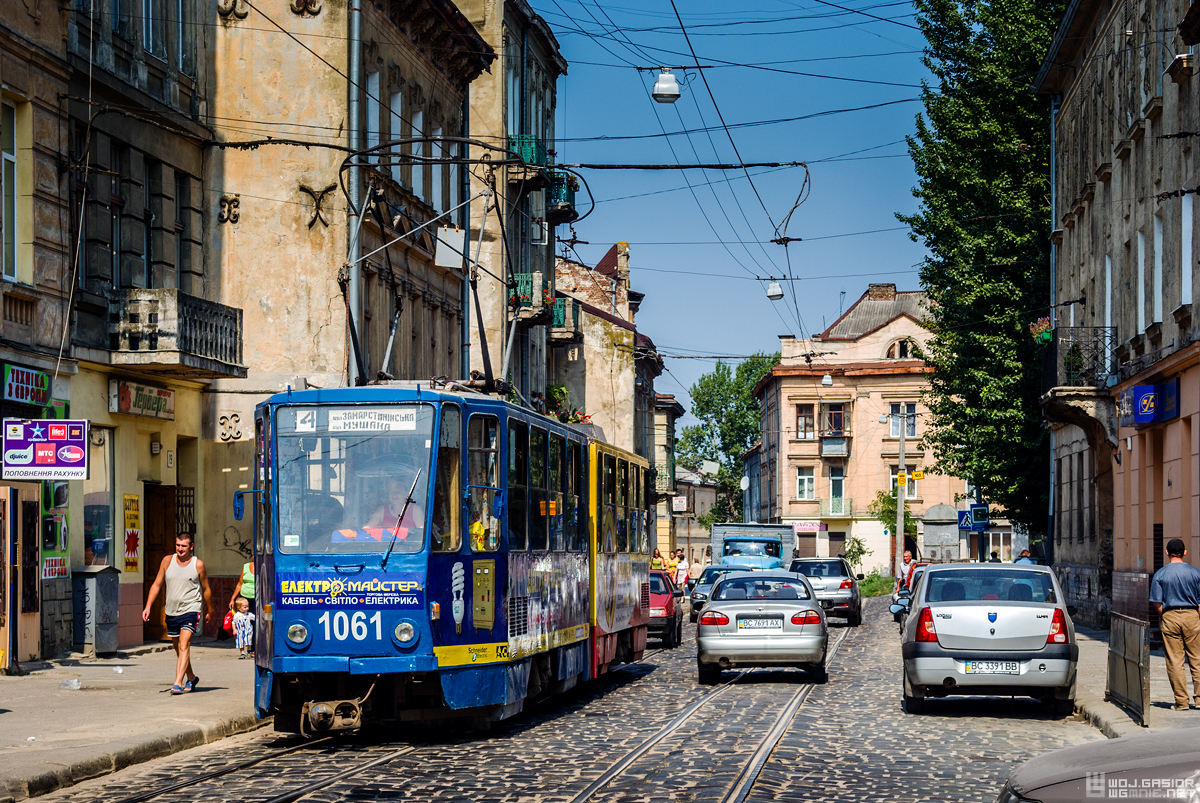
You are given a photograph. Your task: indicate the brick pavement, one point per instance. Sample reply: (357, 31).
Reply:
(850, 741)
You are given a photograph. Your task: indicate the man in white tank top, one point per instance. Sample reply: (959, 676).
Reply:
(187, 595)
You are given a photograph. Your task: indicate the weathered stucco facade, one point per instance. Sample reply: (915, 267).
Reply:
(1121, 80)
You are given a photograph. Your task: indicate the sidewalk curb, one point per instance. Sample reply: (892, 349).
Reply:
(1108, 718)
(124, 753)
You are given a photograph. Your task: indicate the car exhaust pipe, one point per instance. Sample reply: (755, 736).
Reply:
(949, 683)
(724, 663)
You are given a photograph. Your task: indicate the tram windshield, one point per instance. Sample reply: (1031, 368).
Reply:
(344, 474)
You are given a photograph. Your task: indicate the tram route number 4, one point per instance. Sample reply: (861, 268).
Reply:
(345, 626)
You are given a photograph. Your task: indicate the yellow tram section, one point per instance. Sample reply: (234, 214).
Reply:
(619, 566)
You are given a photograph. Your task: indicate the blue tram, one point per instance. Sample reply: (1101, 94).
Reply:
(427, 555)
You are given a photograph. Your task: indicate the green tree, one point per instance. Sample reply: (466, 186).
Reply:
(981, 153)
(723, 400)
(884, 509)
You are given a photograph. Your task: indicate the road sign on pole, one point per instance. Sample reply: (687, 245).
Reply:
(964, 519)
(980, 518)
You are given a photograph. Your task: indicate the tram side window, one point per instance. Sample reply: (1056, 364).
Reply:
(637, 522)
(554, 507)
(648, 496)
(518, 478)
(483, 457)
(573, 514)
(261, 501)
(447, 493)
(622, 506)
(538, 505)
(608, 504)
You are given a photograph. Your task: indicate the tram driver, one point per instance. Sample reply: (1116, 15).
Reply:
(387, 516)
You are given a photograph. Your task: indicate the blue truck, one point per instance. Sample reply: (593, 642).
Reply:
(763, 546)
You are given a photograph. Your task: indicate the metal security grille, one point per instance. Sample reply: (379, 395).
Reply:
(518, 616)
(646, 596)
(185, 510)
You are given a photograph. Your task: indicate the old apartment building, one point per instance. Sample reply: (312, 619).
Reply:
(512, 109)
(1122, 370)
(824, 454)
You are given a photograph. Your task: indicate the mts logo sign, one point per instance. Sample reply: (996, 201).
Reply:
(44, 453)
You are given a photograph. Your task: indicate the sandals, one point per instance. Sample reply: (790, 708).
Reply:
(178, 690)
(191, 684)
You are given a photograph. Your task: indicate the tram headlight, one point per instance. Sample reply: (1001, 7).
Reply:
(405, 632)
(297, 634)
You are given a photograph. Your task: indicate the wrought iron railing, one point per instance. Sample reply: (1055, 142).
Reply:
(560, 198)
(524, 292)
(530, 148)
(566, 313)
(839, 507)
(1080, 356)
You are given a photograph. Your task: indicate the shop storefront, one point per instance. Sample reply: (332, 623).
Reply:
(1156, 476)
(141, 491)
(35, 584)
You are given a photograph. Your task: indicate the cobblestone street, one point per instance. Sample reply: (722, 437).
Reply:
(849, 741)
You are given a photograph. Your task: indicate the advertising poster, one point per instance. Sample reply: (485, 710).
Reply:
(45, 449)
(133, 533)
(55, 523)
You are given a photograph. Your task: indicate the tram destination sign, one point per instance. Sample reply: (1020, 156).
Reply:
(46, 449)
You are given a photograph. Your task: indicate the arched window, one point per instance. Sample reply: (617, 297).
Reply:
(900, 350)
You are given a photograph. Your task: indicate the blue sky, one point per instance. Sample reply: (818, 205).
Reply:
(861, 175)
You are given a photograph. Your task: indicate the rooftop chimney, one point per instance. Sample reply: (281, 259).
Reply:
(881, 292)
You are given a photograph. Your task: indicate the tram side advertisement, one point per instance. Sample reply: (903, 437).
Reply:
(45, 449)
(351, 609)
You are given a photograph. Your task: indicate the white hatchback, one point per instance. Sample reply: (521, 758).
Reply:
(988, 629)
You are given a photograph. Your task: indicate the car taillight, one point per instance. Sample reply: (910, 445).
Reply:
(847, 583)
(1058, 629)
(806, 618)
(714, 618)
(925, 630)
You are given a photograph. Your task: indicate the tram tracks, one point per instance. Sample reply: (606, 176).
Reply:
(748, 772)
(289, 796)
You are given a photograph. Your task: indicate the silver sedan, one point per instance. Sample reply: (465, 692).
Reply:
(762, 618)
(988, 629)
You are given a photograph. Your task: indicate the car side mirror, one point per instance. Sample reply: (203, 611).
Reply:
(1072, 610)
(677, 593)
(859, 577)
(896, 607)
(904, 593)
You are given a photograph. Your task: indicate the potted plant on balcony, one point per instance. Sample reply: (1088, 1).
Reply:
(1042, 330)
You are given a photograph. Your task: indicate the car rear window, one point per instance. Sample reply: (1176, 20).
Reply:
(775, 588)
(711, 574)
(975, 585)
(658, 585)
(820, 568)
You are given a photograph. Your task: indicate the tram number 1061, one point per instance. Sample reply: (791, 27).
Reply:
(346, 626)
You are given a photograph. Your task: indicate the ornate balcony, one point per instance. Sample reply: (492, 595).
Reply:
(564, 327)
(841, 508)
(532, 175)
(1080, 357)
(532, 297)
(169, 332)
(560, 199)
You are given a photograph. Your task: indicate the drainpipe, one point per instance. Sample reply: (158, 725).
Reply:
(464, 216)
(1054, 102)
(355, 45)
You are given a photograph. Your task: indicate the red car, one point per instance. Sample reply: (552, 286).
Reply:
(666, 609)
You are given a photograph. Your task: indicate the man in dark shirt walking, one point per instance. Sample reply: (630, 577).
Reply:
(1175, 595)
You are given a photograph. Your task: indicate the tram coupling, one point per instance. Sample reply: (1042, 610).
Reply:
(317, 717)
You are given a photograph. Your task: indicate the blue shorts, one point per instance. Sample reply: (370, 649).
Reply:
(187, 621)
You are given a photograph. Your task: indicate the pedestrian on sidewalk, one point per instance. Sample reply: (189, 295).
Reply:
(681, 570)
(1175, 595)
(245, 590)
(243, 626)
(188, 595)
(1025, 557)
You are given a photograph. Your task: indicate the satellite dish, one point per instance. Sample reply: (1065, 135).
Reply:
(745, 483)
